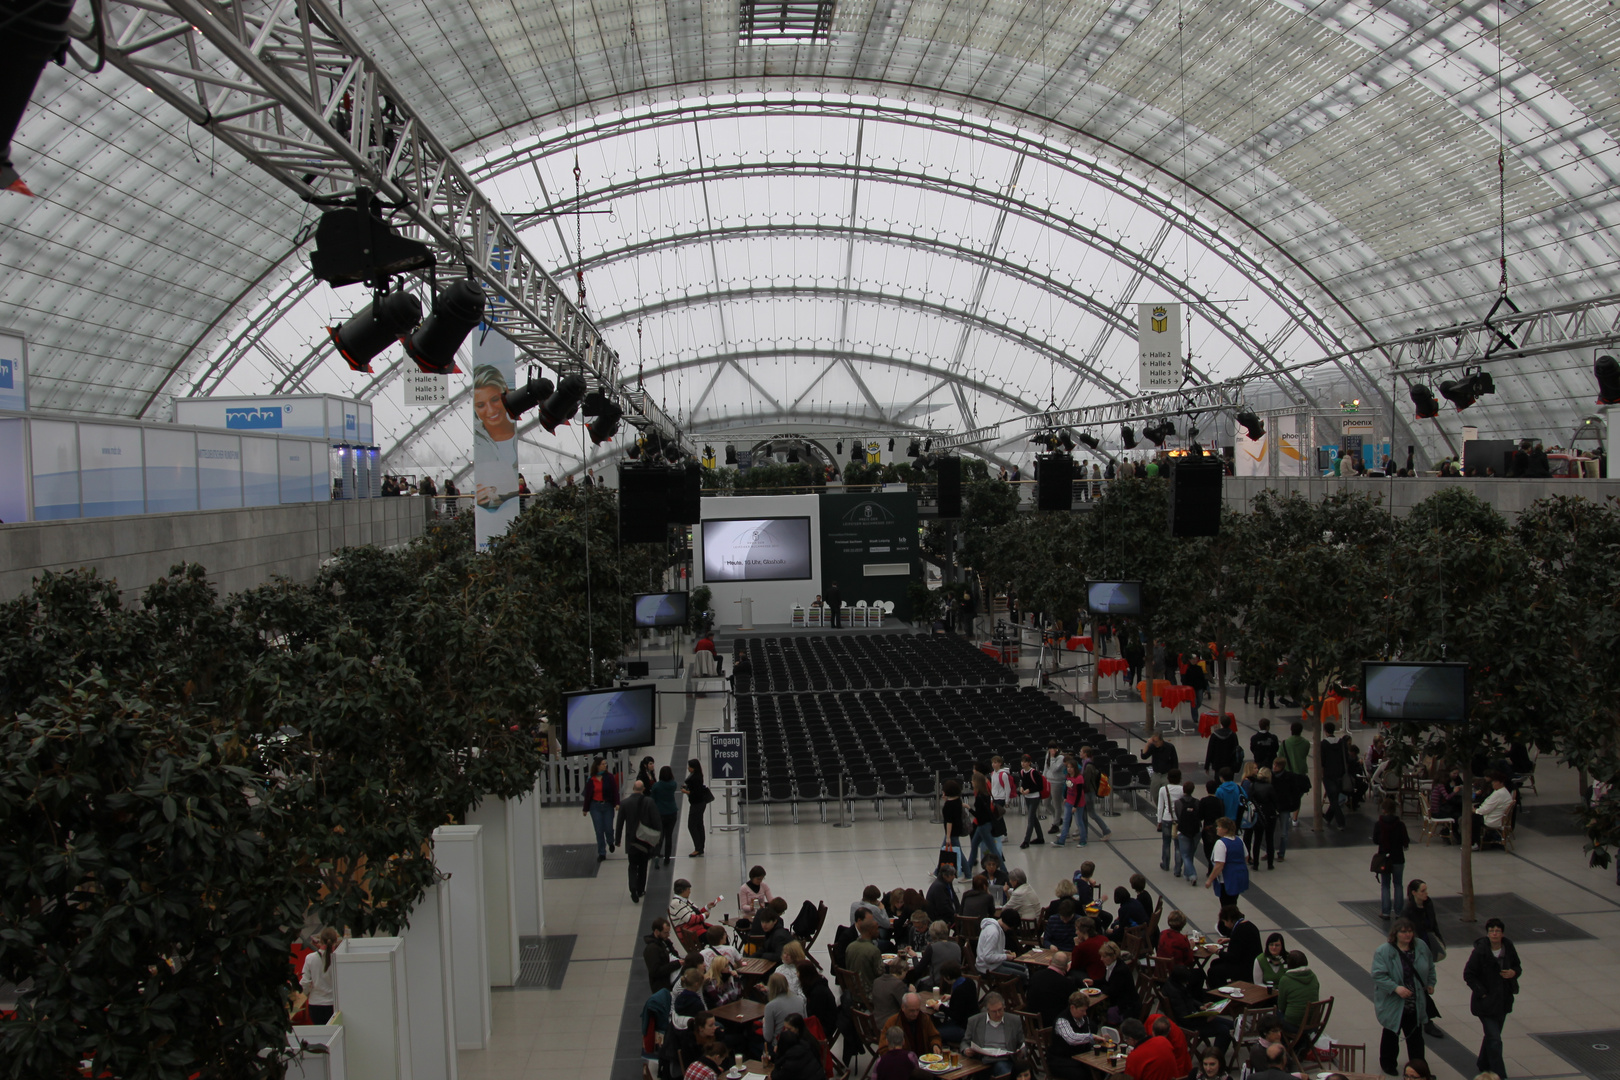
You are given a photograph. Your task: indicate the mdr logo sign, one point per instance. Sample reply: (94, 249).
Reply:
(255, 417)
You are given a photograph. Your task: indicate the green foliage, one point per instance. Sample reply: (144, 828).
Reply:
(697, 607)
(927, 605)
(796, 477)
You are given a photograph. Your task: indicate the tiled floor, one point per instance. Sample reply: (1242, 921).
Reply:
(573, 1031)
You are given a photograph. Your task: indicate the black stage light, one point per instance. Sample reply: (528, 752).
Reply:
(1252, 425)
(456, 311)
(1128, 436)
(594, 403)
(857, 452)
(839, 449)
(731, 454)
(1607, 371)
(793, 455)
(352, 245)
(561, 406)
(635, 450)
(606, 425)
(891, 446)
(928, 444)
(1090, 440)
(1428, 406)
(371, 330)
(526, 397)
(1460, 392)
(1192, 431)
(672, 453)
(1156, 433)
(1066, 441)
(914, 449)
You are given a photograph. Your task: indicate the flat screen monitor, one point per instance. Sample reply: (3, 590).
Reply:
(1433, 693)
(1114, 597)
(602, 721)
(756, 549)
(660, 609)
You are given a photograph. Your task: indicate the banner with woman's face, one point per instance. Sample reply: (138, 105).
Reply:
(495, 442)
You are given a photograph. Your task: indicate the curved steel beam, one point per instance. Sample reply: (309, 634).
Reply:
(422, 426)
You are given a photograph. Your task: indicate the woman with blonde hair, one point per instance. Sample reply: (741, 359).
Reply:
(792, 956)
(317, 976)
(721, 986)
(783, 1003)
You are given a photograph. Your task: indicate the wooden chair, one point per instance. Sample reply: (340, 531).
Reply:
(1248, 1030)
(1010, 987)
(821, 921)
(1134, 942)
(1349, 1057)
(691, 940)
(850, 984)
(966, 928)
(1508, 819)
(1311, 1026)
(1153, 920)
(866, 1031)
(1432, 826)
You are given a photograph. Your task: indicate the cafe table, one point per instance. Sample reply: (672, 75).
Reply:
(1037, 957)
(1102, 1064)
(1254, 995)
(756, 967)
(741, 1011)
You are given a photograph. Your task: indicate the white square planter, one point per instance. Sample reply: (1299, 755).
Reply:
(428, 960)
(500, 914)
(369, 977)
(458, 850)
(317, 1066)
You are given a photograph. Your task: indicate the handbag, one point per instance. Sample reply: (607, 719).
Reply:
(1380, 863)
(947, 855)
(998, 824)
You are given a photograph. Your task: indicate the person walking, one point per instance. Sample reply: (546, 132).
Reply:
(669, 812)
(1055, 771)
(698, 798)
(1297, 750)
(953, 817)
(1165, 817)
(1291, 788)
(1389, 862)
(1420, 909)
(1492, 975)
(1229, 865)
(1093, 777)
(316, 978)
(984, 820)
(1263, 745)
(639, 830)
(1263, 794)
(1074, 801)
(1335, 769)
(1189, 831)
(1030, 784)
(601, 800)
(1402, 970)
(1162, 761)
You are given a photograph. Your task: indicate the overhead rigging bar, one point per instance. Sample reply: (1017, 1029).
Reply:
(285, 84)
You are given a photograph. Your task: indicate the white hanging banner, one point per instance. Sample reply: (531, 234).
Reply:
(495, 442)
(426, 388)
(1158, 344)
(1290, 452)
(1251, 454)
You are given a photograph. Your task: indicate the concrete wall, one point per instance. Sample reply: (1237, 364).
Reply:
(240, 548)
(1400, 494)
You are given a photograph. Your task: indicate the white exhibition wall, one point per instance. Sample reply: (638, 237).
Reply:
(773, 600)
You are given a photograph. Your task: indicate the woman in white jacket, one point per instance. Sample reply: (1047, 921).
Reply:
(317, 977)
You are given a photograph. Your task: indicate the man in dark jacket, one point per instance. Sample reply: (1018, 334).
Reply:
(1335, 764)
(776, 935)
(1049, 989)
(1162, 758)
(1492, 974)
(1236, 960)
(662, 958)
(1291, 789)
(637, 809)
(942, 902)
(1263, 745)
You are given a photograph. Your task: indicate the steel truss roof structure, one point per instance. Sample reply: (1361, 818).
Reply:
(936, 214)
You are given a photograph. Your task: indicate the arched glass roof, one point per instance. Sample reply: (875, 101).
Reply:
(934, 219)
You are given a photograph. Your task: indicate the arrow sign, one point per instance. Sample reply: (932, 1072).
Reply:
(726, 755)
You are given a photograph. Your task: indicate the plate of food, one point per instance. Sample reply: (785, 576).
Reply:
(1091, 991)
(938, 1066)
(1230, 991)
(890, 957)
(932, 1003)
(929, 1059)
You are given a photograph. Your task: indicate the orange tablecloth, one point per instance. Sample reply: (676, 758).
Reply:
(1159, 687)
(1112, 665)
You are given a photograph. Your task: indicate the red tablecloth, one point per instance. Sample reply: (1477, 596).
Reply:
(1112, 665)
(1207, 722)
(1173, 695)
(1076, 643)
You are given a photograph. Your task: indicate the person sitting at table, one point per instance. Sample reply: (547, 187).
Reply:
(820, 1001)
(1240, 948)
(782, 1004)
(1059, 933)
(977, 902)
(687, 1006)
(869, 901)
(1119, 984)
(1173, 943)
(1086, 889)
(888, 989)
(1212, 1066)
(941, 950)
(1492, 813)
(1274, 1066)
(1297, 988)
(1128, 913)
(769, 924)
(1071, 1037)
(715, 944)
(1272, 961)
(964, 993)
(1086, 960)
(1151, 1056)
(863, 956)
(917, 1031)
(662, 958)
(792, 956)
(994, 1035)
(896, 1061)
(993, 953)
(942, 902)
(684, 913)
(1049, 989)
(722, 986)
(998, 877)
(1268, 1034)
(1183, 1002)
(1021, 897)
(916, 936)
(796, 1054)
(753, 895)
(709, 1062)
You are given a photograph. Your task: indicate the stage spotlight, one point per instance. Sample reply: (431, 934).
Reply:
(1128, 436)
(1460, 392)
(731, 454)
(560, 407)
(1607, 371)
(1157, 433)
(1192, 431)
(1089, 440)
(793, 455)
(372, 329)
(456, 311)
(840, 448)
(353, 244)
(606, 425)
(1483, 384)
(526, 397)
(1066, 441)
(891, 446)
(857, 452)
(595, 402)
(635, 450)
(1428, 406)
(928, 444)
(1252, 425)
(672, 453)
(914, 449)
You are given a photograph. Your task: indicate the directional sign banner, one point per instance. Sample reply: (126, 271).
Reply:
(726, 755)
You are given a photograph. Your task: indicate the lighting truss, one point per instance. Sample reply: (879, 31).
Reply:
(285, 84)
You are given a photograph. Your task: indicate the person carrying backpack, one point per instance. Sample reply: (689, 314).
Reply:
(1164, 816)
(1189, 831)
(1032, 785)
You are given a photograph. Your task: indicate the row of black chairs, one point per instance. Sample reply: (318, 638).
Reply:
(812, 662)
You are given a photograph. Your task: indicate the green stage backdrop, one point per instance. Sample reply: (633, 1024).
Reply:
(869, 546)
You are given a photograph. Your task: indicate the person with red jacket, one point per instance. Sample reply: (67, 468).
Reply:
(1178, 1042)
(1152, 1057)
(1087, 957)
(601, 800)
(1173, 943)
